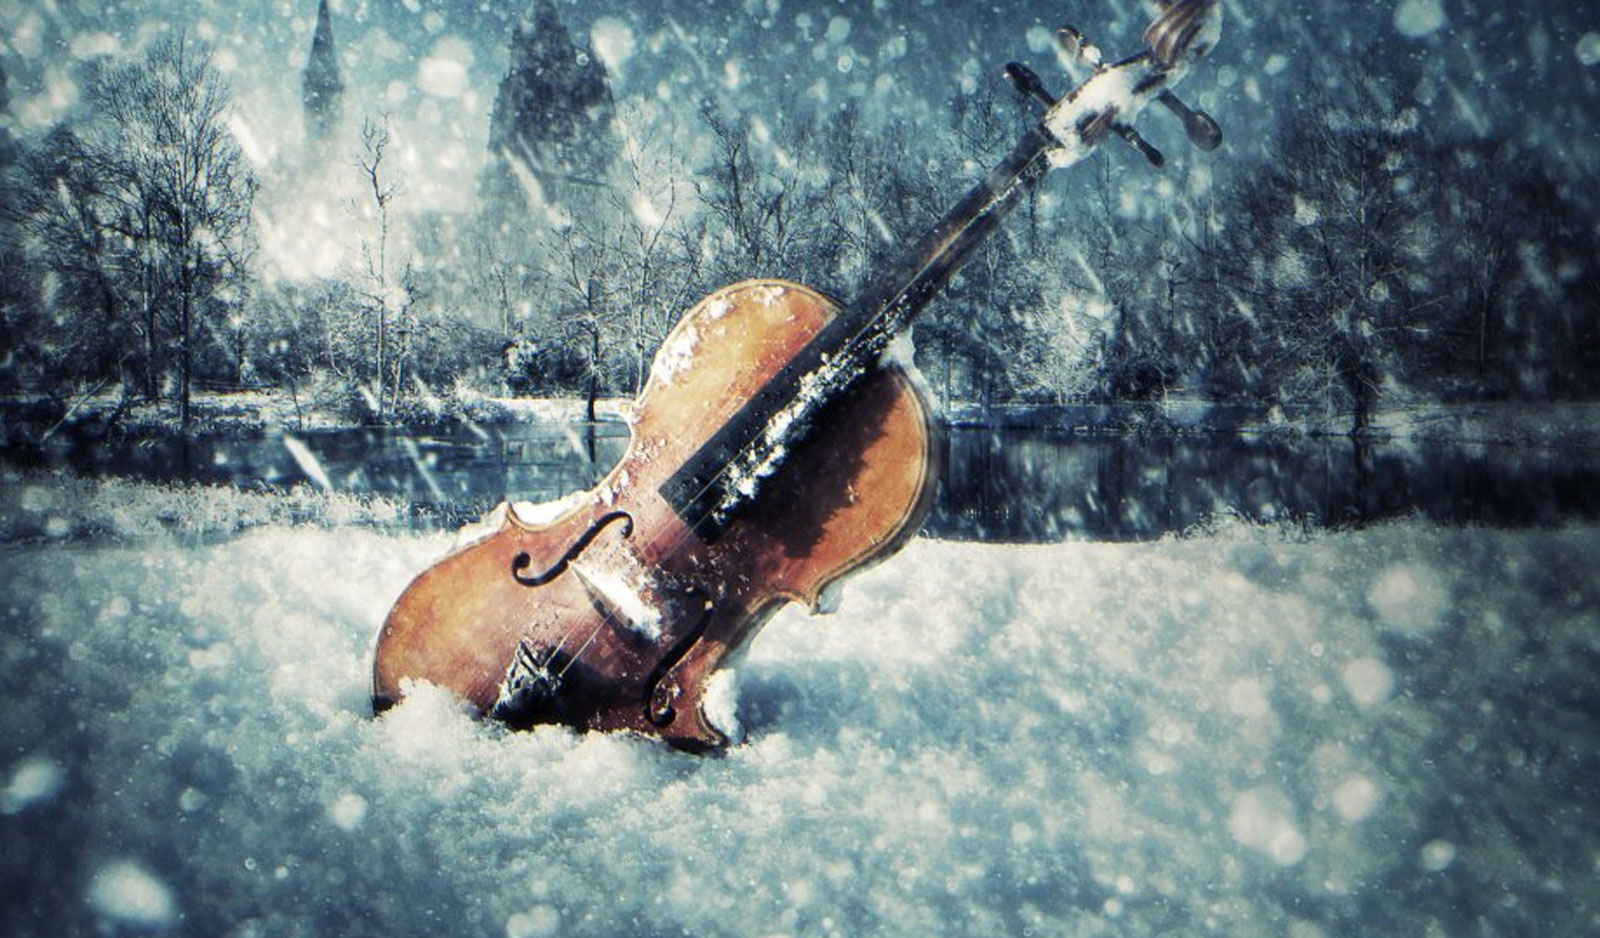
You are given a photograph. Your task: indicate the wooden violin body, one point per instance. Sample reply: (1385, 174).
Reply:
(619, 610)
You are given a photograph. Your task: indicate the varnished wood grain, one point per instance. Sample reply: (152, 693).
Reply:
(849, 494)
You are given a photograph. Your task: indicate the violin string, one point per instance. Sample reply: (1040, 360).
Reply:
(605, 619)
(855, 371)
(870, 329)
(593, 634)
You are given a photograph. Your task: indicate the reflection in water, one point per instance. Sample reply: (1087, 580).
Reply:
(998, 485)
(455, 475)
(1038, 485)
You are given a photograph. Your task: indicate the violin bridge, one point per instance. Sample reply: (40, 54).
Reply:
(619, 601)
(528, 690)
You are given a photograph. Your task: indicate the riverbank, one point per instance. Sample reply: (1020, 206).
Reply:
(1557, 424)
(25, 421)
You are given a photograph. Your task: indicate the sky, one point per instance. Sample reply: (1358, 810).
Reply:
(1528, 70)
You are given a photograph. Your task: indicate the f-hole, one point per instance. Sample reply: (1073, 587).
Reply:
(658, 707)
(522, 560)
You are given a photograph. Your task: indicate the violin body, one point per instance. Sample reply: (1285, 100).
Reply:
(614, 613)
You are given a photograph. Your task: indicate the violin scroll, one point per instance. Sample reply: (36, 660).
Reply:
(1111, 96)
(1183, 31)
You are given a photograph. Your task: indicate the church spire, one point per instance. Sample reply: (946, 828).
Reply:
(322, 84)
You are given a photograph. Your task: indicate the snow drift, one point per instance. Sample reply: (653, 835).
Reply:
(1244, 731)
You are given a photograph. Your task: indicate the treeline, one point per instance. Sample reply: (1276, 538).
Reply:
(1362, 259)
(127, 236)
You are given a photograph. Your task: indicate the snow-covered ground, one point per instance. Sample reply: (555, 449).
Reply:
(1238, 732)
(57, 506)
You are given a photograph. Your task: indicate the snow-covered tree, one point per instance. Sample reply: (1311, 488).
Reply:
(388, 287)
(657, 271)
(759, 190)
(142, 217)
(13, 263)
(1331, 252)
(83, 328)
(1521, 319)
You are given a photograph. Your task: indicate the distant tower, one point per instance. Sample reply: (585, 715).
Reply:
(551, 124)
(322, 85)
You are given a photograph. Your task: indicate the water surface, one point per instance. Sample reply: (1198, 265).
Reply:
(1000, 485)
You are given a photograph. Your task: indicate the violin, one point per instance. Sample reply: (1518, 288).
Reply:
(780, 444)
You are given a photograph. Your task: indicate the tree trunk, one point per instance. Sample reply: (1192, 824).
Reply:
(592, 299)
(152, 385)
(638, 346)
(383, 324)
(594, 374)
(185, 306)
(399, 364)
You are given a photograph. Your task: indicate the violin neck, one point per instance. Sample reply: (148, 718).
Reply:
(893, 299)
(710, 485)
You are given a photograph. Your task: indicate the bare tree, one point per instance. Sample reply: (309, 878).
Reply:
(386, 294)
(83, 332)
(1332, 252)
(759, 190)
(183, 189)
(588, 316)
(656, 276)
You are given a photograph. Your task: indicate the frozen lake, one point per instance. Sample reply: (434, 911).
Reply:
(1245, 730)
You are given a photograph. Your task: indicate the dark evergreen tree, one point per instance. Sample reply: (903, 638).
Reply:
(550, 135)
(322, 86)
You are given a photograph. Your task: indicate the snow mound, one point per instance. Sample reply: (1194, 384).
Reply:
(1229, 733)
(63, 506)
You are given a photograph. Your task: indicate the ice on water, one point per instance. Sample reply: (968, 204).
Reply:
(1242, 731)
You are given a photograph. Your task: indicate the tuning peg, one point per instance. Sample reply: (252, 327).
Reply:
(1182, 32)
(1202, 130)
(1027, 82)
(1140, 144)
(1079, 49)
